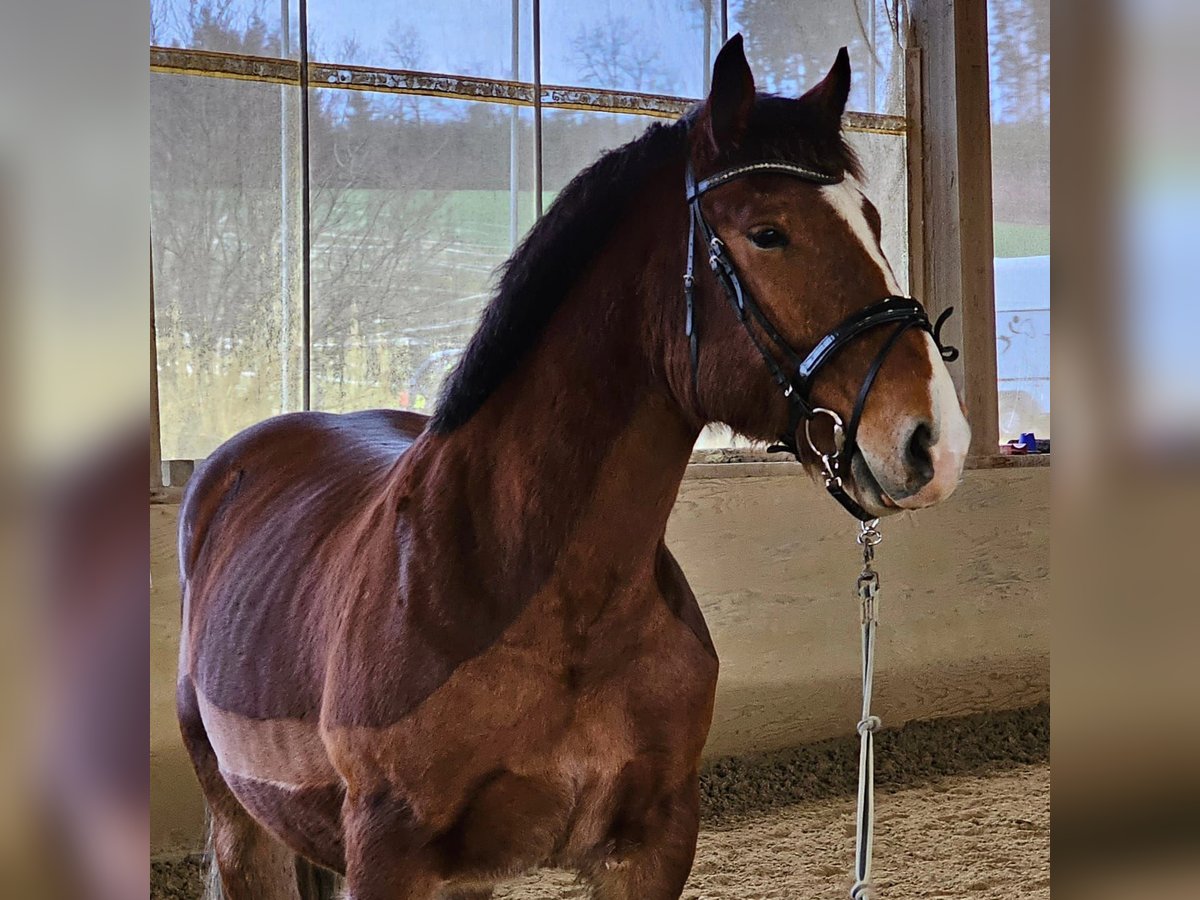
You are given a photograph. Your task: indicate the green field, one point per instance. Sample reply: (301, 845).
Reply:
(1012, 239)
(483, 216)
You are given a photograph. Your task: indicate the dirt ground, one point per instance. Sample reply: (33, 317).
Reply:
(963, 811)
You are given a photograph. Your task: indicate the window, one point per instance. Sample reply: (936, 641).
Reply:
(411, 211)
(226, 220)
(1019, 54)
(334, 184)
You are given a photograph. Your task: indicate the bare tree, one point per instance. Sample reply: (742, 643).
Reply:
(220, 151)
(407, 50)
(607, 56)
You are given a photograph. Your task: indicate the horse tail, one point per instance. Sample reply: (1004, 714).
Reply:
(312, 881)
(315, 882)
(209, 870)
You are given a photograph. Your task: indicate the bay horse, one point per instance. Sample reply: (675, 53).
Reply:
(428, 654)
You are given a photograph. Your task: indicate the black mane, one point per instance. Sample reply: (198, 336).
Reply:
(540, 273)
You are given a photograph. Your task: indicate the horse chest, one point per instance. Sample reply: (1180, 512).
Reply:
(638, 721)
(583, 791)
(565, 730)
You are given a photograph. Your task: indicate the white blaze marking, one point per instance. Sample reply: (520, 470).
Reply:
(846, 198)
(953, 432)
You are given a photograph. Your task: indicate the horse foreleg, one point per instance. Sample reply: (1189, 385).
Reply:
(657, 866)
(387, 851)
(251, 864)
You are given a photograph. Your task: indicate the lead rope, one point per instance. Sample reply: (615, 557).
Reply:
(868, 593)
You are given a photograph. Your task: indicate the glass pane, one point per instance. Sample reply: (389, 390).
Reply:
(656, 46)
(252, 27)
(884, 159)
(792, 43)
(225, 231)
(415, 201)
(1019, 49)
(457, 37)
(572, 140)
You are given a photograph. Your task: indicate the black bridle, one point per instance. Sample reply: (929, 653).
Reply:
(797, 374)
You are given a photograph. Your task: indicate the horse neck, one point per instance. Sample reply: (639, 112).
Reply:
(576, 458)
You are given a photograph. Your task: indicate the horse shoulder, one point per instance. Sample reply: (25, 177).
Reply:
(678, 595)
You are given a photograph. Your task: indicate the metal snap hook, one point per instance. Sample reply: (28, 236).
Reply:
(868, 533)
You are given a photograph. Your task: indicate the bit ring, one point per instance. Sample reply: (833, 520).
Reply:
(839, 433)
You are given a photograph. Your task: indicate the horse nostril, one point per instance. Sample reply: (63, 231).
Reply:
(918, 456)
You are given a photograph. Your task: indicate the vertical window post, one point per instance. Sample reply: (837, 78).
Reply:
(956, 197)
(537, 107)
(305, 223)
(156, 479)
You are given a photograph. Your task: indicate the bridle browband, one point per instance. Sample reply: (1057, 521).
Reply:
(797, 374)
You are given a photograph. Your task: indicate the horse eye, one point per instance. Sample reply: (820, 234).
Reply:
(769, 238)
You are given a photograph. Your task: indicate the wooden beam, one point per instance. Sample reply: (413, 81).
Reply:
(914, 91)
(180, 470)
(956, 149)
(156, 479)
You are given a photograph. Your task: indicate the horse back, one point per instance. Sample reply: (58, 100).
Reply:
(255, 551)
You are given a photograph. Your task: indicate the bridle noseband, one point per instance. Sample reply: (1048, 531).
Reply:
(797, 374)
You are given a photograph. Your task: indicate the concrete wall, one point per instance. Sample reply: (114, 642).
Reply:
(964, 610)
(964, 613)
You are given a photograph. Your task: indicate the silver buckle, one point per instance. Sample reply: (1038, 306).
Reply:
(716, 253)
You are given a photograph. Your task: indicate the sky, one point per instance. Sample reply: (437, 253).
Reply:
(664, 40)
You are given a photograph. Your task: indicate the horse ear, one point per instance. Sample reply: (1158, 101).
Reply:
(726, 113)
(829, 97)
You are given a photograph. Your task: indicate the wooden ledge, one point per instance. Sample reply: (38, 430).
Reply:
(752, 462)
